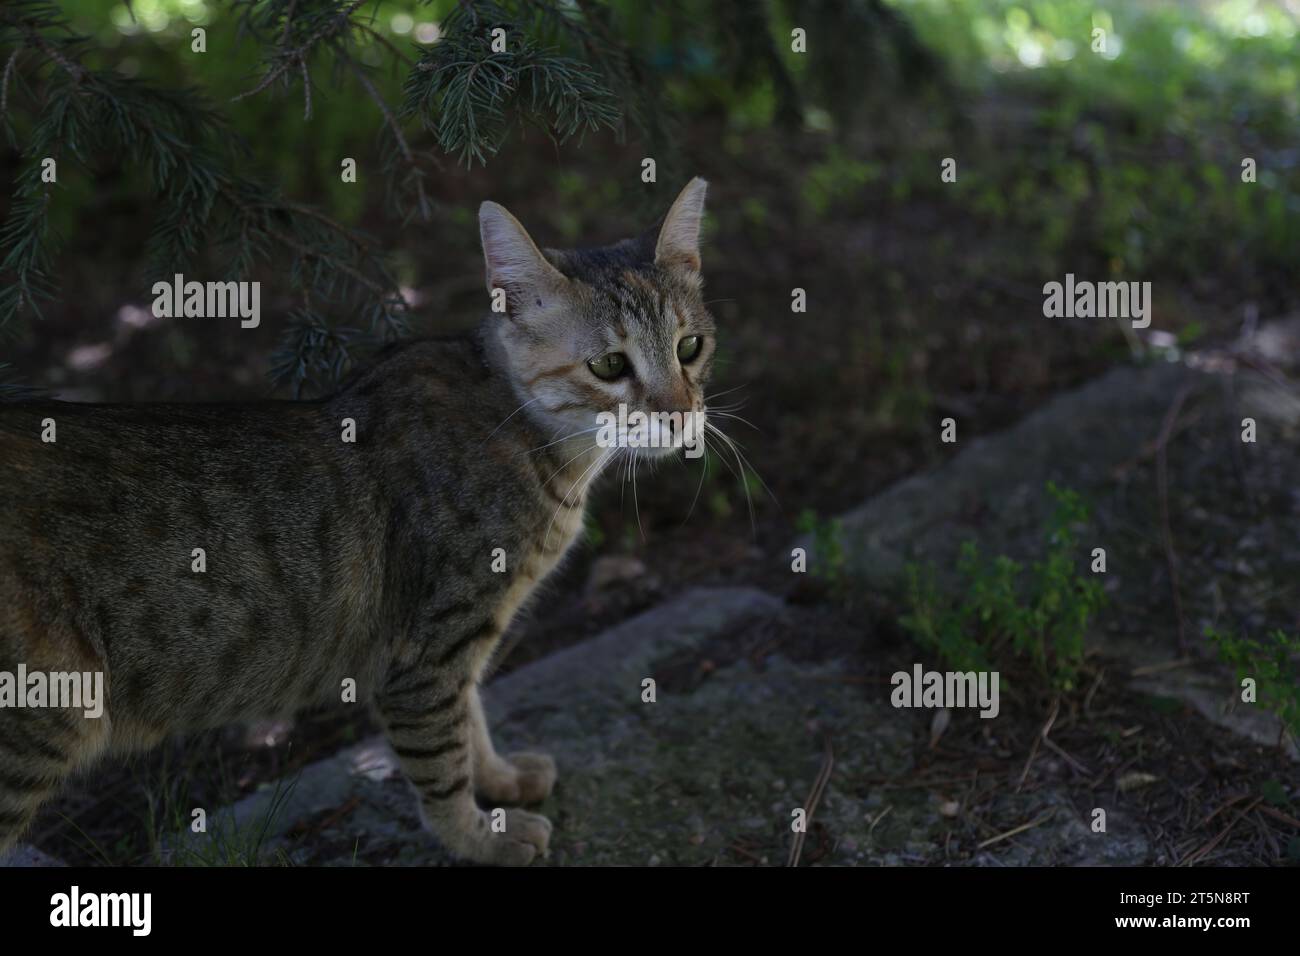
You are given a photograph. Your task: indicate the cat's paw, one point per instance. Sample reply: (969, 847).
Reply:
(536, 776)
(519, 778)
(526, 837)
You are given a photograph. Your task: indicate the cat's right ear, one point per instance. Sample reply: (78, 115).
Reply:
(679, 237)
(513, 261)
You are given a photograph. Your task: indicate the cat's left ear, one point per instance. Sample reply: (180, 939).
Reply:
(514, 262)
(679, 237)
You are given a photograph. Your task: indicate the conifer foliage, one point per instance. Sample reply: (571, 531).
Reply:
(57, 104)
(566, 67)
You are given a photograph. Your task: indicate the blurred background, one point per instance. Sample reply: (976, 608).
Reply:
(924, 298)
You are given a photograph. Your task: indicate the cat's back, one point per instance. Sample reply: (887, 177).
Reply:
(97, 466)
(438, 412)
(433, 387)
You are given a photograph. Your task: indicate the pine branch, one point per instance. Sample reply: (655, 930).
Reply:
(563, 70)
(284, 58)
(415, 174)
(313, 355)
(463, 91)
(201, 203)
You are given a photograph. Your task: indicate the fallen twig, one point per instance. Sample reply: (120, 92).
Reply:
(1092, 691)
(305, 826)
(1042, 818)
(1076, 764)
(1160, 668)
(1042, 735)
(1279, 815)
(1205, 850)
(810, 805)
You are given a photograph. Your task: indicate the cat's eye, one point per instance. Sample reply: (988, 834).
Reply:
(608, 366)
(688, 348)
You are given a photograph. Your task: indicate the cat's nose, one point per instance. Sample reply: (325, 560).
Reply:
(679, 400)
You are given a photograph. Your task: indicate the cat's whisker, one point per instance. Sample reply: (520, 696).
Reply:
(598, 460)
(725, 461)
(725, 391)
(717, 450)
(704, 470)
(585, 431)
(546, 543)
(743, 421)
(745, 466)
(636, 505)
(510, 416)
(568, 463)
(622, 485)
(738, 447)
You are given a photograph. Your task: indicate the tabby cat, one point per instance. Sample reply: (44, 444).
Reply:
(325, 560)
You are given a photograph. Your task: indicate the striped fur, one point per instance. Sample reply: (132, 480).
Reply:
(329, 561)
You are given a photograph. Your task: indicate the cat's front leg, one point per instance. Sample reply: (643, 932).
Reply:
(426, 710)
(517, 778)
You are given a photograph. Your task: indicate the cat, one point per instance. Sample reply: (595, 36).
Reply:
(225, 562)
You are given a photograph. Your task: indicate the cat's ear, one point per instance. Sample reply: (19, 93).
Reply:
(679, 236)
(514, 262)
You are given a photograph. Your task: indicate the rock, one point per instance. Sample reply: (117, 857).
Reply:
(1277, 341)
(24, 855)
(992, 490)
(1099, 441)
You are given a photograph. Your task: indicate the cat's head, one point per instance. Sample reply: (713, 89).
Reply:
(587, 330)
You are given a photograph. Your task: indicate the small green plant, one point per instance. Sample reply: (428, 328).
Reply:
(938, 624)
(1041, 616)
(828, 549)
(169, 818)
(227, 842)
(1271, 664)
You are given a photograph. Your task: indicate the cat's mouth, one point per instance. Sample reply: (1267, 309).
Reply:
(687, 435)
(654, 434)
